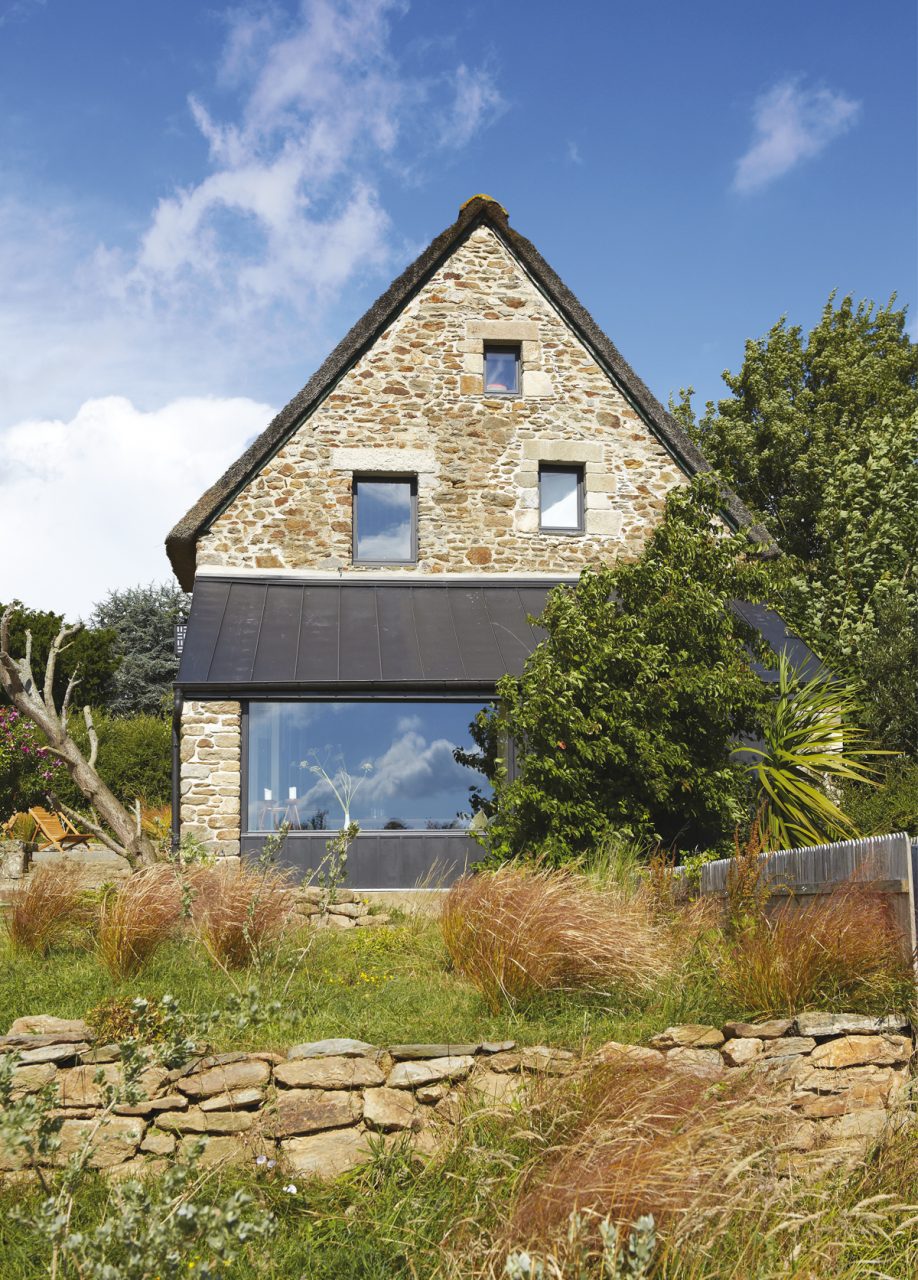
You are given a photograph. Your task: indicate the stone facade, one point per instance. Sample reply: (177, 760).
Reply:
(414, 405)
(210, 779)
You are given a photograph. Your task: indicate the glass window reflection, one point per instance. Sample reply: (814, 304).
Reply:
(398, 758)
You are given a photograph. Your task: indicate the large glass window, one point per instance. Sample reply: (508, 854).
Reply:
(397, 758)
(384, 520)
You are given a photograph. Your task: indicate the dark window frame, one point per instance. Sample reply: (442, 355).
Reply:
(568, 468)
(392, 478)
(502, 348)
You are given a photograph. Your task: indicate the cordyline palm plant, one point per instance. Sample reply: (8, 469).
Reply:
(810, 745)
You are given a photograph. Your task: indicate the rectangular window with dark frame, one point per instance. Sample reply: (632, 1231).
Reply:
(501, 369)
(560, 498)
(385, 519)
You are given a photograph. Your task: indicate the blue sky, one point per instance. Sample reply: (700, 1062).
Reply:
(196, 201)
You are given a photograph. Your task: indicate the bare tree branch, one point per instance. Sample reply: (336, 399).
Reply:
(93, 737)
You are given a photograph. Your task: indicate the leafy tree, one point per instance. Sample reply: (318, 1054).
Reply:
(94, 651)
(625, 716)
(820, 438)
(143, 618)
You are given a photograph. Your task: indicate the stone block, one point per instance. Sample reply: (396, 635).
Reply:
(862, 1050)
(326, 1155)
(300, 1111)
(329, 1073)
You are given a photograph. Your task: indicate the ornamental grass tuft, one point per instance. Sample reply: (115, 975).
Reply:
(515, 931)
(44, 911)
(135, 918)
(239, 912)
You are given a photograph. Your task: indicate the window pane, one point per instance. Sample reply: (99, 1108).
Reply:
(560, 508)
(413, 781)
(502, 371)
(383, 515)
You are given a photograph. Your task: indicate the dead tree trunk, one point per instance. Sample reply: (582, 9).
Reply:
(38, 705)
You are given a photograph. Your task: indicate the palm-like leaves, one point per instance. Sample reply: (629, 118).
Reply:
(810, 743)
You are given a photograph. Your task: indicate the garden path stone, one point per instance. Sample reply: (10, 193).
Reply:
(115, 1141)
(390, 1110)
(248, 1073)
(690, 1035)
(326, 1155)
(408, 1075)
(329, 1073)
(407, 1052)
(856, 1051)
(758, 1030)
(302, 1111)
(845, 1024)
(340, 1048)
(194, 1120)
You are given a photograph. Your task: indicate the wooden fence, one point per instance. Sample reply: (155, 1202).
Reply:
(887, 864)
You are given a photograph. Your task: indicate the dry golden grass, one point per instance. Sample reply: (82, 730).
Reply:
(842, 946)
(515, 931)
(239, 911)
(136, 917)
(638, 1140)
(45, 910)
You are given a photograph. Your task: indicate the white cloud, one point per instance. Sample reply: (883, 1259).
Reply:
(791, 124)
(477, 102)
(86, 504)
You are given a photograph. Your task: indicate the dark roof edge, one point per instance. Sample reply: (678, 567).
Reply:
(180, 543)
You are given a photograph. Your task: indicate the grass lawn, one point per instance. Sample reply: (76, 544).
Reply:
(387, 985)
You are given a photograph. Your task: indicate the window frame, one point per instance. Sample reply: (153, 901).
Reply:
(393, 478)
(570, 468)
(502, 348)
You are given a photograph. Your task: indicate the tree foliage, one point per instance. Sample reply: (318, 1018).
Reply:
(820, 437)
(143, 619)
(94, 651)
(626, 714)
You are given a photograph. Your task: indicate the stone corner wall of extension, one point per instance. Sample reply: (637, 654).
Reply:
(211, 762)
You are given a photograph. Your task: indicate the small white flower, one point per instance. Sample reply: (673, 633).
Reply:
(290, 1189)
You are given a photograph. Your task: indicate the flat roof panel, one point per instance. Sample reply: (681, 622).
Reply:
(234, 656)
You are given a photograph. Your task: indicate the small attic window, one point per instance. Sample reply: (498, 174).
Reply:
(501, 369)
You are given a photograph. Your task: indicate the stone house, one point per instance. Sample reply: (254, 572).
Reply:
(365, 572)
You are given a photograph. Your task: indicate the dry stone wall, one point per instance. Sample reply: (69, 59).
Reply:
(210, 774)
(414, 404)
(314, 1111)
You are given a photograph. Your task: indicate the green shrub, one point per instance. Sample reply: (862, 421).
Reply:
(626, 715)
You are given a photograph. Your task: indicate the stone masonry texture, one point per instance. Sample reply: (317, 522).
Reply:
(414, 405)
(210, 779)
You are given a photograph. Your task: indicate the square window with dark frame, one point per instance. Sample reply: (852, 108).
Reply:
(501, 370)
(561, 498)
(385, 519)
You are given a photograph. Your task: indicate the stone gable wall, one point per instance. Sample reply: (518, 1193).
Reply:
(210, 777)
(414, 404)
